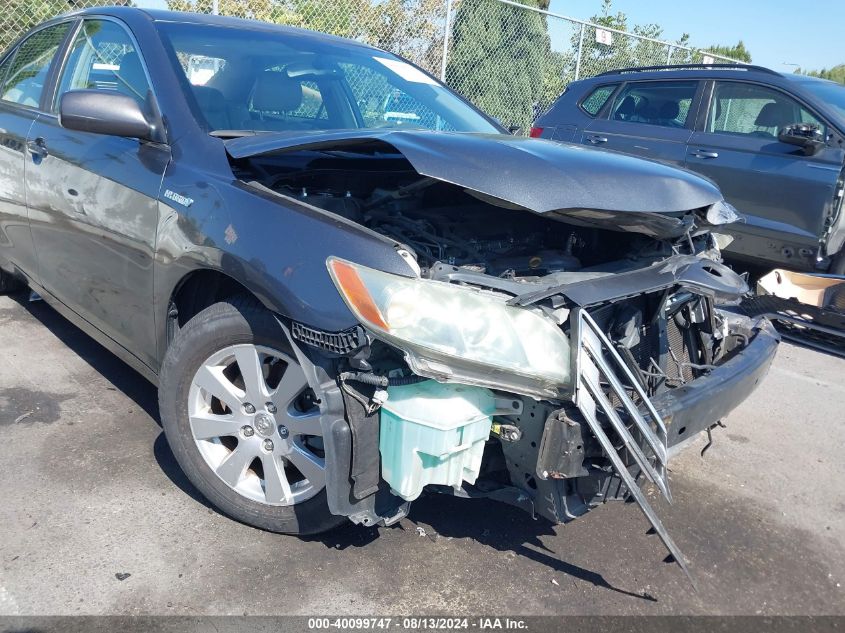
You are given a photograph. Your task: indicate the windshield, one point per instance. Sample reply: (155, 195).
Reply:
(830, 93)
(287, 81)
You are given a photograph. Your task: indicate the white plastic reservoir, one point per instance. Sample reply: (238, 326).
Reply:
(433, 433)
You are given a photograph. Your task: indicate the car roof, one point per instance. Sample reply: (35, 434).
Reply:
(163, 15)
(691, 71)
(807, 79)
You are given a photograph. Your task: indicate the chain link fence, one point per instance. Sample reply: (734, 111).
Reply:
(511, 59)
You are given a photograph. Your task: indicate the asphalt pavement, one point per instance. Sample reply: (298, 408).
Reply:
(96, 518)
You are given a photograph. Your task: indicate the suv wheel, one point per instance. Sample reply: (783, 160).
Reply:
(837, 266)
(241, 421)
(8, 283)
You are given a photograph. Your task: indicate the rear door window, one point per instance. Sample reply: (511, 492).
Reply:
(664, 103)
(30, 65)
(745, 109)
(594, 101)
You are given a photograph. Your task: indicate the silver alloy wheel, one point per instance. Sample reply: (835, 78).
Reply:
(247, 418)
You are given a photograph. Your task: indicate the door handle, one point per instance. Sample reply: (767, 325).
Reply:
(596, 140)
(700, 153)
(38, 148)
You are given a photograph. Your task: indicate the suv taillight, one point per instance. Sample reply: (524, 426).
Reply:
(535, 132)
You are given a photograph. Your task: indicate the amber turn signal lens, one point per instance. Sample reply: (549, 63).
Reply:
(353, 289)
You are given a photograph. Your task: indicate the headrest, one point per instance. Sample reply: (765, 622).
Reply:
(642, 106)
(669, 110)
(209, 99)
(775, 114)
(276, 92)
(627, 107)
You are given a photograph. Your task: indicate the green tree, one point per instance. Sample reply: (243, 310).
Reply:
(737, 52)
(264, 10)
(627, 51)
(623, 51)
(411, 28)
(837, 73)
(499, 57)
(597, 58)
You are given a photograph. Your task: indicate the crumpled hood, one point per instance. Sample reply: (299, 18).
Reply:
(586, 185)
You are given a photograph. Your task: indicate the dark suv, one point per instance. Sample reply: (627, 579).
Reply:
(774, 143)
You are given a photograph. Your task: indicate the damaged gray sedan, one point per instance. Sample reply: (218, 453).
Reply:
(350, 286)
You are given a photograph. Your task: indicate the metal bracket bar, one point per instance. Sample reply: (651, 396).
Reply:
(597, 362)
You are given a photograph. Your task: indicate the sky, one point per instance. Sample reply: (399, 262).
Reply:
(778, 33)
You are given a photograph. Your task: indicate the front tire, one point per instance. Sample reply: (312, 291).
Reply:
(241, 421)
(9, 284)
(837, 266)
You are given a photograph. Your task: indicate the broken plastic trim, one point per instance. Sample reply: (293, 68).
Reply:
(597, 361)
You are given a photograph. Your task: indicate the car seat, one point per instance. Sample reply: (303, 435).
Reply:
(274, 97)
(773, 116)
(668, 115)
(213, 107)
(626, 109)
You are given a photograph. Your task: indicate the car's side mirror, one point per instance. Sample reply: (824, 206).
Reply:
(808, 136)
(103, 112)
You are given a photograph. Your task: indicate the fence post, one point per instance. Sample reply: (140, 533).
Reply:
(669, 55)
(446, 41)
(580, 47)
(215, 7)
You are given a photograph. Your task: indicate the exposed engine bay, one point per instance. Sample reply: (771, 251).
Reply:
(440, 222)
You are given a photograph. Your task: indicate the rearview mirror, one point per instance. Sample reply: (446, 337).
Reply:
(103, 112)
(805, 135)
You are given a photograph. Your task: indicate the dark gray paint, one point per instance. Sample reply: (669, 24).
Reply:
(106, 113)
(786, 196)
(16, 248)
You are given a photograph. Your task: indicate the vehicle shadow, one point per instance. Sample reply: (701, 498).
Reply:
(438, 516)
(122, 377)
(445, 516)
(513, 531)
(119, 374)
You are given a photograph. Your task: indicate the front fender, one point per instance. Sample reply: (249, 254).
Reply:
(274, 246)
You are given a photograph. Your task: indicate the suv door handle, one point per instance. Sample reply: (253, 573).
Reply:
(38, 148)
(596, 140)
(700, 153)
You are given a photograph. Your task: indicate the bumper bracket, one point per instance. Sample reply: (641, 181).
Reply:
(597, 363)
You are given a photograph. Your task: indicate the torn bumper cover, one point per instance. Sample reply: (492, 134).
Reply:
(697, 406)
(635, 437)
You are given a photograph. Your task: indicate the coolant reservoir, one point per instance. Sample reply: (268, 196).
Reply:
(433, 433)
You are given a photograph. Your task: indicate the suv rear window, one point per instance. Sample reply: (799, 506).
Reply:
(593, 102)
(664, 103)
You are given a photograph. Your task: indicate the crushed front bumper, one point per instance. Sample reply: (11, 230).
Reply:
(698, 405)
(635, 437)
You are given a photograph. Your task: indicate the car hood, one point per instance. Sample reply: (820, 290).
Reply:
(580, 184)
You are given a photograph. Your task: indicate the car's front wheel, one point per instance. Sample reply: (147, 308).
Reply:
(9, 284)
(837, 266)
(242, 422)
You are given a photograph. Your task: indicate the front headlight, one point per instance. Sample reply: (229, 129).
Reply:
(723, 213)
(456, 333)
